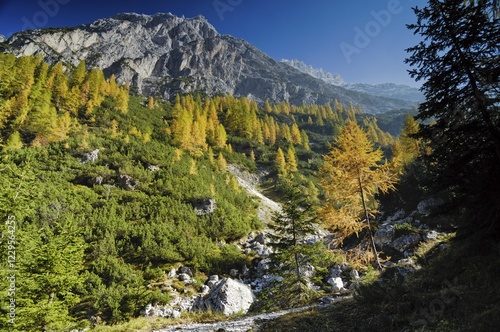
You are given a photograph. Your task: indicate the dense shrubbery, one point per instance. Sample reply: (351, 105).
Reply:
(87, 241)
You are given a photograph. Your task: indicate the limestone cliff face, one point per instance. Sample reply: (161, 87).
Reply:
(164, 55)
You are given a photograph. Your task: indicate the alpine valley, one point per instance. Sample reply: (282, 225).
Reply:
(156, 175)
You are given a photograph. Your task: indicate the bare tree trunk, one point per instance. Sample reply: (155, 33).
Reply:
(295, 255)
(361, 191)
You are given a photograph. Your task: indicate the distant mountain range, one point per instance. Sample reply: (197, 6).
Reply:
(389, 90)
(163, 55)
(329, 78)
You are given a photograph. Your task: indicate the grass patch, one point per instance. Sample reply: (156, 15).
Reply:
(140, 324)
(148, 324)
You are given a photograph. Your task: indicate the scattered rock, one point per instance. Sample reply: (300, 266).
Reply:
(327, 300)
(161, 311)
(406, 261)
(384, 235)
(431, 235)
(336, 271)
(184, 277)
(261, 249)
(406, 242)
(229, 297)
(126, 182)
(234, 273)
(307, 271)
(354, 274)
(407, 220)
(212, 280)
(354, 285)
(263, 266)
(91, 156)
(98, 180)
(425, 207)
(261, 238)
(186, 270)
(245, 271)
(153, 168)
(396, 216)
(172, 273)
(204, 206)
(398, 273)
(337, 285)
(204, 290)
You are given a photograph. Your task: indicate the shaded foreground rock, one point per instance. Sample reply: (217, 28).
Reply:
(228, 296)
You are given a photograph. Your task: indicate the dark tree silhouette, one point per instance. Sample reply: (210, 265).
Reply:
(459, 60)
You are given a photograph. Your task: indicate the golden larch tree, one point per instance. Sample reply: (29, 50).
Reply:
(351, 175)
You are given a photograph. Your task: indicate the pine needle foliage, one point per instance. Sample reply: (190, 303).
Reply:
(293, 255)
(458, 60)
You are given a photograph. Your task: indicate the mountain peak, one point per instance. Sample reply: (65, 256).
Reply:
(145, 18)
(329, 78)
(164, 55)
(388, 90)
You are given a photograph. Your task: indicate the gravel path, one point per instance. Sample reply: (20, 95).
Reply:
(244, 324)
(236, 325)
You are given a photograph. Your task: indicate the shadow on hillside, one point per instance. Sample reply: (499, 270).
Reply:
(457, 289)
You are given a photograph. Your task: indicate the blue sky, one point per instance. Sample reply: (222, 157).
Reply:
(362, 40)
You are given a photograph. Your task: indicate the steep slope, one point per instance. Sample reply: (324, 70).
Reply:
(164, 55)
(267, 207)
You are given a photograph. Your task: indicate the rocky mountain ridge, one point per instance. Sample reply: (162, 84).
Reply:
(330, 78)
(162, 55)
(389, 90)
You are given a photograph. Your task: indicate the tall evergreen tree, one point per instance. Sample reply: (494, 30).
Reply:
(409, 147)
(292, 254)
(458, 59)
(280, 162)
(221, 163)
(296, 135)
(78, 75)
(291, 160)
(305, 140)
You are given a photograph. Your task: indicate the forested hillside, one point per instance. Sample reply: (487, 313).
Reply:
(451, 156)
(104, 191)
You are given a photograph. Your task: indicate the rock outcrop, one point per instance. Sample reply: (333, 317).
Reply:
(204, 206)
(227, 296)
(163, 55)
(91, 156)
(400, 234)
